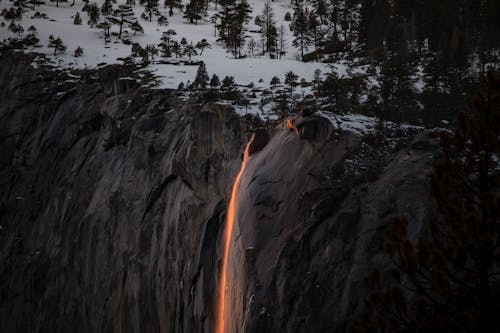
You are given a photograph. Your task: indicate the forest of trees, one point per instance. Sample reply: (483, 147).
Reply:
(425, 55)
(448, 279)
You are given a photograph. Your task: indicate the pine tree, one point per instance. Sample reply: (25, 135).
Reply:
(57, 44)
(317, 80)
(123, 15)
(228, 83)
(275, 81)
(291, 79)
(107, 8)
(165, 45)
(162, 20)
(190, 51)
(77, 20)
(93, 14)
(78, 52)
(281, 41)
(201, 80)
(214, 81)
(238, 16)
(447, 280)
(16, 28)
(320, 10)
(299, 27)
(173, 4)
(151, 9)
(313, 25)
(136, 27)
(202, 45)
(105, 26)
(193, 11)
(176, 49)
(269, 31)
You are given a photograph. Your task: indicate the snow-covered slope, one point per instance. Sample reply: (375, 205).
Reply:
(218, 60)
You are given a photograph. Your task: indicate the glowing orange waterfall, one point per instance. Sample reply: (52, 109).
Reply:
(230, 217)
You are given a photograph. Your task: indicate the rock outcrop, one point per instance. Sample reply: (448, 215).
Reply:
(112, 206)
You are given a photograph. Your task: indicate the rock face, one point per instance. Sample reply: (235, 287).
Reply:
(110, 207)
(112, 204)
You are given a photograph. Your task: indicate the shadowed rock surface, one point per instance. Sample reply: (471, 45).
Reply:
(112, 204)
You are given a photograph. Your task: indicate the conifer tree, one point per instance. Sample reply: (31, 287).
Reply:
(238, 15)
(190, 51)
(77, 20)
(228, 83)
(57, 44)
(291, 79)
(162, 20)
(105, 26)
(151, 9)
(193, 11)
(173, 4)
(78, 52)
(447, 280)
(281, 41)
(136, 27)
(202, 45)
(93, 14)
(107, 8)
(299, 27)
(214, 81)
(16, 28)
(176, 49)
(201, 80)
(123, 15)
(269, 31)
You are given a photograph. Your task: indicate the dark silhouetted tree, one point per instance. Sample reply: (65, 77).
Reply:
(448, 279)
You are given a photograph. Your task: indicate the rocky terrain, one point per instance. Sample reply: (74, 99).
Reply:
(113, 198)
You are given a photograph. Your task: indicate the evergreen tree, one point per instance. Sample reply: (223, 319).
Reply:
(123, 15)
(299, 27)
(136, 27)
(162, 20)
(151, 9)
(314, 31)
(275, 81)
(269, 31)
(447, 280)
(57, 44)
(77, 20)
(202, 45)
(214, 81)
(291, 79)
(173, 4)
(78, 52)
(201, 80)
(93, 14)
(238, 15)
(107, 8)
(194, 11)
(190, 51)
(165, 45)
(281, 41)
(228, 83)
(176, 49)
(16, 28)
(105, 26)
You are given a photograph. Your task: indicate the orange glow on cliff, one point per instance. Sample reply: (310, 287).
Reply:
(230, 217)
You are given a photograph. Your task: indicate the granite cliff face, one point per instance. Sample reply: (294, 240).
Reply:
(113, 198)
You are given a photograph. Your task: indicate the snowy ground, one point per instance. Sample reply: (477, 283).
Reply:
(218, 60)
